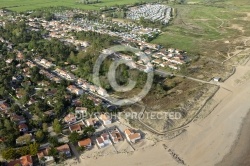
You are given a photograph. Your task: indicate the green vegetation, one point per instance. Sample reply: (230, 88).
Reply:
(196, 27)
(12, 153)
(25, 5)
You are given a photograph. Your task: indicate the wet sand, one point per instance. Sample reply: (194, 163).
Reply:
(240, 152)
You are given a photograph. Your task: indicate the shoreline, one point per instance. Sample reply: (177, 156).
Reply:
(220, 139)
(239, 153)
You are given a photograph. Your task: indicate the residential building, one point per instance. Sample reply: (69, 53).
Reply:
(105, 119)
(23, 127)
(100, 142)
(92, 88)
(92, 122)
(23, 161)
(217, 79)
(115, 135)
(132, 136)
(171, 50)
(44, 158)
(173, 66)
(102, 92)
(4, 106)
(86, 143)
(105, 138)
(75, 90)
(75, 128)
(17, 119)
(70, 118)
(64, 149)
(81, 112)
(85, 85)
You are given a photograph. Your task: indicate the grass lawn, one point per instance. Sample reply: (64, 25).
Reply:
(196, 28)
(17, 5)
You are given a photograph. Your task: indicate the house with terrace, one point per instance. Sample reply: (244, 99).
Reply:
(115, 135)
(132, 136)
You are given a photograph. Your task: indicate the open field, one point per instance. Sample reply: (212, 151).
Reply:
(211, 30)
(24, 5)
(197, 27)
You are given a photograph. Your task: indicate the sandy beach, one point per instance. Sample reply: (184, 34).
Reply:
(240, 152)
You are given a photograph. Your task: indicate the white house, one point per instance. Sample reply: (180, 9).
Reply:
(107, 51)
(74, 89)
(173, 66)
(171, 50)
(92, 88)
(105, 119)
(217, 79)
(132, 136)
(165, 58)
(100, 142)
(105, 138)
(81, 111)
(102, 92)
(85, 85)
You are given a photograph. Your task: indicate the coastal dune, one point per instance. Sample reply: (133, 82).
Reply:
(217, 139)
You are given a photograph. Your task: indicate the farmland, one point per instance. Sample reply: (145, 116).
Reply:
(24, 5)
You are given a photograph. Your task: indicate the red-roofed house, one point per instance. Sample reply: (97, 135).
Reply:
(132, 136)
(70, 118)
(23, 127)
(64, 149)
(23, 161)
(76, 128)
(86, 143)
(4, 106)
(44, 158)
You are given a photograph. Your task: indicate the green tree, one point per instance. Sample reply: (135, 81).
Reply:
(39, 135)
(53, 140)
(34, 148)
(24, 139)
(88, 131)
(53, 152)
(9, 153)
(1, 124)
(23, 151)
(45, 127)
(8, 125)
(74, 137)
(57, 126)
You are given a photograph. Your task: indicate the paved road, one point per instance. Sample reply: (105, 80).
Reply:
(75, 152)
